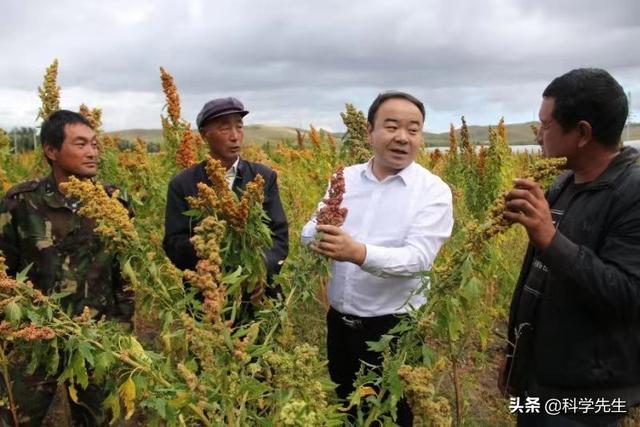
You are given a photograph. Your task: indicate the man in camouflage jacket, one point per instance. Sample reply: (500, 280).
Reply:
(41, 232)
(41, 228)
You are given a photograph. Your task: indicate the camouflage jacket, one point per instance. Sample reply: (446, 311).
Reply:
(41, 228)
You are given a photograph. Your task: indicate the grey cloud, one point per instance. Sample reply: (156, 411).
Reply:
(290, 57)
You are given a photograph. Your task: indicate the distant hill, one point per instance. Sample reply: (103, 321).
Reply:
(518, 134)
(634, 133)
(148, 135)
(260, 134)
(253, 134)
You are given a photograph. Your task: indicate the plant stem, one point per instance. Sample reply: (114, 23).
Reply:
(456, 381)
(4, 362)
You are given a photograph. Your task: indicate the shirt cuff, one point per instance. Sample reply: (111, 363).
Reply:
(374, 260)
(308, 233)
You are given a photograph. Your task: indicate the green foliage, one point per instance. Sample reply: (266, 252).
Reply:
(355, 148)
(178, 367)
(199, 373)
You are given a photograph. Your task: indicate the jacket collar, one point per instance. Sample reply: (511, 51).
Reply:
(52, 195)
(241, 172)
(626, 157)
(54, 198)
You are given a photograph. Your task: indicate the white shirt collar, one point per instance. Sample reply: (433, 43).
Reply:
(231, 173)
(404, 174)
(234, 167)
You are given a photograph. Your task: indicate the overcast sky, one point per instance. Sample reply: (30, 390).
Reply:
(296, 63)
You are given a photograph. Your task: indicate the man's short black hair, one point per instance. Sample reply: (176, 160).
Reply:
(392, 94)
(52, 131)
(592, 95)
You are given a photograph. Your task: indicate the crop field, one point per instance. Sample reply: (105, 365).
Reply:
(191, 362)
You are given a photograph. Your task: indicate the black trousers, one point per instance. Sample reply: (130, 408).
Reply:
(346, 348)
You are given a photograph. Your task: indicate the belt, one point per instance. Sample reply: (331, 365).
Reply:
(352, 322)
(359, 323)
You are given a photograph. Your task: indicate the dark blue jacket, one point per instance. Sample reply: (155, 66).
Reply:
(179, 228)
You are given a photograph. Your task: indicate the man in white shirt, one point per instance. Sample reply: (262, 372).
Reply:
(399, 215)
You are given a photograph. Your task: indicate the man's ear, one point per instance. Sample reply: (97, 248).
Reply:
(50, 152)
(203, 133)
(369, 130)
(585, 131)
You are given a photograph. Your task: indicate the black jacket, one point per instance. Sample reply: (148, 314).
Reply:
(586, 332)
(178, 228)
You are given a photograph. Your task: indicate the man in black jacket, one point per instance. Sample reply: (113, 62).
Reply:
(221, 126)
(575, 313)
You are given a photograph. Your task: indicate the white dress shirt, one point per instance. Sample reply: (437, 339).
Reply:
(403, 220)
(230, 176)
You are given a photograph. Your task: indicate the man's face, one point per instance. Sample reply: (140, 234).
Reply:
(553, 139)
(78, 154)
(396, 135)
(224, 136)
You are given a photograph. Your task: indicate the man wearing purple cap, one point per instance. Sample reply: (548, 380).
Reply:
(220, 125)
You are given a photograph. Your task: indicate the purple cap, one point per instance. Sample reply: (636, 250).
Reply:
(219, 107)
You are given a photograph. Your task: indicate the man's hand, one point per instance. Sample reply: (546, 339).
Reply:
(526, 205)
(338, 245)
